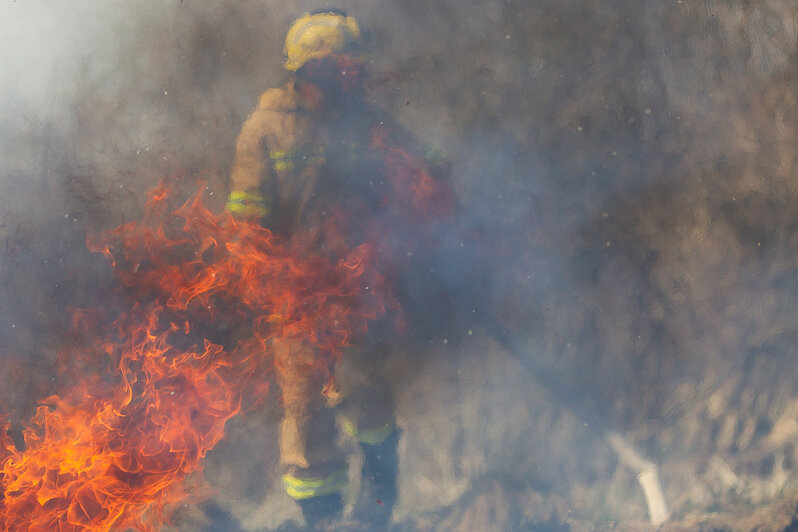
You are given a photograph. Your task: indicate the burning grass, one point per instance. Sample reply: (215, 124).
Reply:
(114, 451)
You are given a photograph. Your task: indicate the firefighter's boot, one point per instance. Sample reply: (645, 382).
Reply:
(321, 511)
(379, 490)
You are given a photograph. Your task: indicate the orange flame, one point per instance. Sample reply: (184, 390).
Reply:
(116, 450)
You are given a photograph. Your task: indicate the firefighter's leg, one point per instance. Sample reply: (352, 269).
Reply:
(367, 415)
(314, 467)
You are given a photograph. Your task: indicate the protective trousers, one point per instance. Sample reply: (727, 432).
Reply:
(361, 405)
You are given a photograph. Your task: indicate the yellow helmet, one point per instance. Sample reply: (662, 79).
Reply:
(318, 34)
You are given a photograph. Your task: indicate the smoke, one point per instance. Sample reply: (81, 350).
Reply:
(627, 180)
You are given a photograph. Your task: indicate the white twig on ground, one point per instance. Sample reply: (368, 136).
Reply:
(647, 476)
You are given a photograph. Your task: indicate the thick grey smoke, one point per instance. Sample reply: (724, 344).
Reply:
(627, 173)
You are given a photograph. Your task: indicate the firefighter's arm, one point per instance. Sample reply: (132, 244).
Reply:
(428, 169)
(435, 159)
(250, 167)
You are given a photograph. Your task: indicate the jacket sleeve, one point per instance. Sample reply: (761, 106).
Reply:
(421, 173)
(250, 166)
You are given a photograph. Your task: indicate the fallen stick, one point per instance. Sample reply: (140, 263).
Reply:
(646, 470)
(647, 476)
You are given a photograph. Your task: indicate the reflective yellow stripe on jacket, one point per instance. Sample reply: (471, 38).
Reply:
(306, 488)
(307, 155)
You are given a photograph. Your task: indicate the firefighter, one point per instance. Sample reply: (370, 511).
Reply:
(311, 151)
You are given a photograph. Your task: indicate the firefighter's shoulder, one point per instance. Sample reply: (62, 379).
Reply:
(279, 99)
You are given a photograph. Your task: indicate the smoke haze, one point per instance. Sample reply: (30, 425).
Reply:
(627, 177)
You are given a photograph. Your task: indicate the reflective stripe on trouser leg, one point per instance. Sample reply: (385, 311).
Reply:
(366, 436)
(306, 488)
(247, 204)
